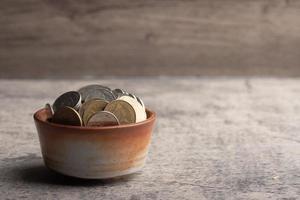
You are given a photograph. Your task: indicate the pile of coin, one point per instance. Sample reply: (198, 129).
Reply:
(96, 105)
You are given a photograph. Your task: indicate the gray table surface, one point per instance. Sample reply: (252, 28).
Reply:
(215, 138)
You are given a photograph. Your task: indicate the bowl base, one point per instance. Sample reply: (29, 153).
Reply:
(94, 174)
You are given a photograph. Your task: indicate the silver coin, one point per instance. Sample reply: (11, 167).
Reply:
(140, 101)
(132, 96)
(102, 93)
(71, 99)
(124, 94)
(139, 110)
(67, 116)
(49, 109)
(86, 90)
(103, 118)
(118, 92)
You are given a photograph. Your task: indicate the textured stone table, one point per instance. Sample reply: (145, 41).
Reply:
(215, 138)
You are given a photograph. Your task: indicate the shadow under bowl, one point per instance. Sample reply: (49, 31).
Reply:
(94, 152)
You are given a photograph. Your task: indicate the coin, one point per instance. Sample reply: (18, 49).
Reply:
(122, 110)
(118, 92)
(101, 94)
(86, 90)
(139, 110)
(135, 97)
(132, 96)
(49, 110)
(103, 118)
(87, 104)
(67, 116)
(90, 107)
(141, 102)
(93, 99)
(71, 99)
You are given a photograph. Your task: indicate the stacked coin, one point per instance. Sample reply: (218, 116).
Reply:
(96, 105)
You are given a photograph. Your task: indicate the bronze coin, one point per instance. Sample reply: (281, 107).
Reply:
(90, 107)
(103, 118)
(122, 110)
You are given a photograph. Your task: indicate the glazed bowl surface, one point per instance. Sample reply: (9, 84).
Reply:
(94, 152)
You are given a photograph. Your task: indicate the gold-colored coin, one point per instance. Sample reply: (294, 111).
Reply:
(91, 107)
(67, 116)
(103, 118)
(122, 110)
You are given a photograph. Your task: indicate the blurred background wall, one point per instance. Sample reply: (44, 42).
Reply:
(90, 38)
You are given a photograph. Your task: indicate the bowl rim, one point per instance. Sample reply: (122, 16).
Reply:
(151, 118)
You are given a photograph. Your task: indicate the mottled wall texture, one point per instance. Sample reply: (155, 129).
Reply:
(82, 39)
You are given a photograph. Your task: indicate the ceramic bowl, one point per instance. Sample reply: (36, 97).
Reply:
(94, 152)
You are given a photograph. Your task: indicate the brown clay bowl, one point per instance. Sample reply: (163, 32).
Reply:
(94, 152)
